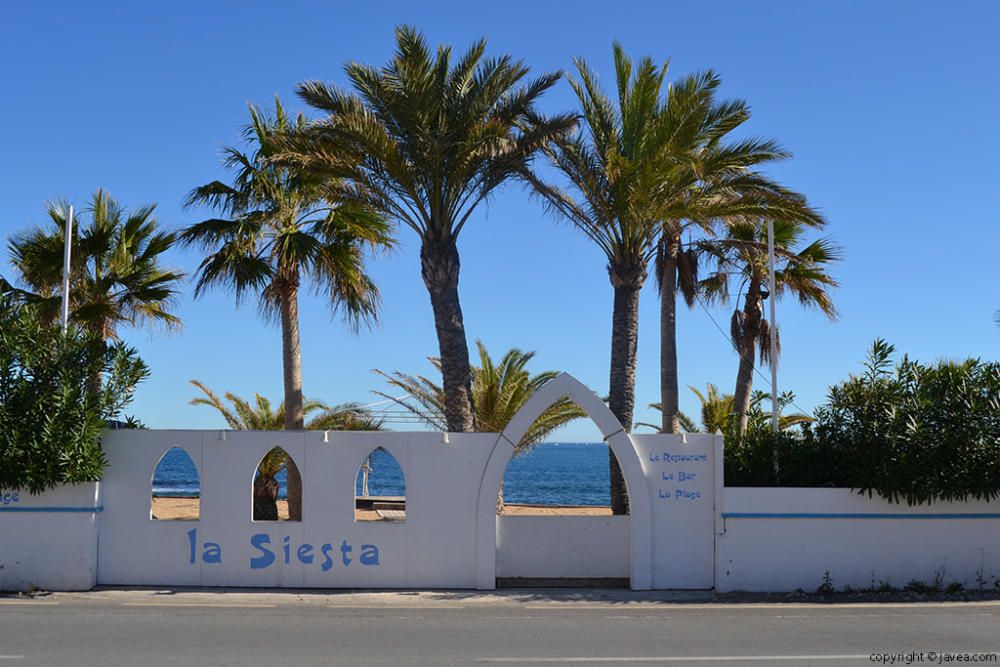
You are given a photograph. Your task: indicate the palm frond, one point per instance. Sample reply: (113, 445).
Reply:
(499, 390)
(424, 139)
(116, 275)
(284, 226)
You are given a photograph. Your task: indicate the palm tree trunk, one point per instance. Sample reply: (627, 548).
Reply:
(291, 358)
(669, 392)
(265, 503)
(624, 340)
(747, 347)
(440, 267)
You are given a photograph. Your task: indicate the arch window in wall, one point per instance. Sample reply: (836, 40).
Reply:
(380, 488)
(269, 489)
(559, 478)
(175, 488)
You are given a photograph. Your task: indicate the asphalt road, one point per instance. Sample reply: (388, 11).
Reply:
(256, 628)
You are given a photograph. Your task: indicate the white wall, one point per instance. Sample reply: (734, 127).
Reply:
(49, 541)
(684, 481)
(783, 539)
(619, 442)
(563, 546)
(695, 533)
(449, 538)
(433, 548)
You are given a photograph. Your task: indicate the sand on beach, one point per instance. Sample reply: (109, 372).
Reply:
(186, 509)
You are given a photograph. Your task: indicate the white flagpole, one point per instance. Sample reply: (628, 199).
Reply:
(774, 327)
(65, 278)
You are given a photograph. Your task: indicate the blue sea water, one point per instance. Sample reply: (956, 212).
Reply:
(565, 473)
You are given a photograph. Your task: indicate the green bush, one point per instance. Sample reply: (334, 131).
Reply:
(51, 408)
(910, 432)
(804, 461)
(915, 432)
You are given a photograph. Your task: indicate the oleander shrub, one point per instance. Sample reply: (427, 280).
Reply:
(804, 461)
(57, 392)
(917, 433)
(907, 431)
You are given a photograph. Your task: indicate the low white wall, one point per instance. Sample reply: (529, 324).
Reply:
(49, 541)
(684, 482)
(433, 548)
(449, 538)
(563, 546)
(778, 540)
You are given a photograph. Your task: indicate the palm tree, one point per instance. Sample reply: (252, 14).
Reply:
(499, 390)
(719, 183)
(800, 271)
(631, 168)
(116, 275)
(716, 409)
(426, 140)
(718, 416)
(283, 228)
(760, 412)
(242, 415)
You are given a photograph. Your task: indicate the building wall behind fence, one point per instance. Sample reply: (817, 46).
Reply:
(783, 539)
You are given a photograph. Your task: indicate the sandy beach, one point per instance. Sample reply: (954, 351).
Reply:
(186, 509)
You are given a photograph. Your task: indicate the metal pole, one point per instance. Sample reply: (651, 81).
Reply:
(365, 469)
(67, 245)
(773, 328)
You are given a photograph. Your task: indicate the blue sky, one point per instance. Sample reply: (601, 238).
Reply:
(888, 107)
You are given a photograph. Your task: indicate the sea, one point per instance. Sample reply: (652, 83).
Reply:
(551, 473)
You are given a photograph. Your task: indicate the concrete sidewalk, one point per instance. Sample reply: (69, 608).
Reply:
(554, 598)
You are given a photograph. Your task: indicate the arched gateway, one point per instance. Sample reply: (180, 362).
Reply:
(566, 386)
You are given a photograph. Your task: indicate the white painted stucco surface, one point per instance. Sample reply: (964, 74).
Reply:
(449, 537)
(49, 549)
(784, 553)
(563, 546)
(620, 443)
(433, 548)
(683, 482)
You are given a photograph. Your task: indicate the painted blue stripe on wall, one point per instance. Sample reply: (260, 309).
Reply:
(767, 515)
(91, 510)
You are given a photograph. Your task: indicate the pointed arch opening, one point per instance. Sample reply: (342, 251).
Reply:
(566, 477)
(559, 479)
(175, 488)
(380, 488)
(269, 488)
(554, 523)
(520, 550)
